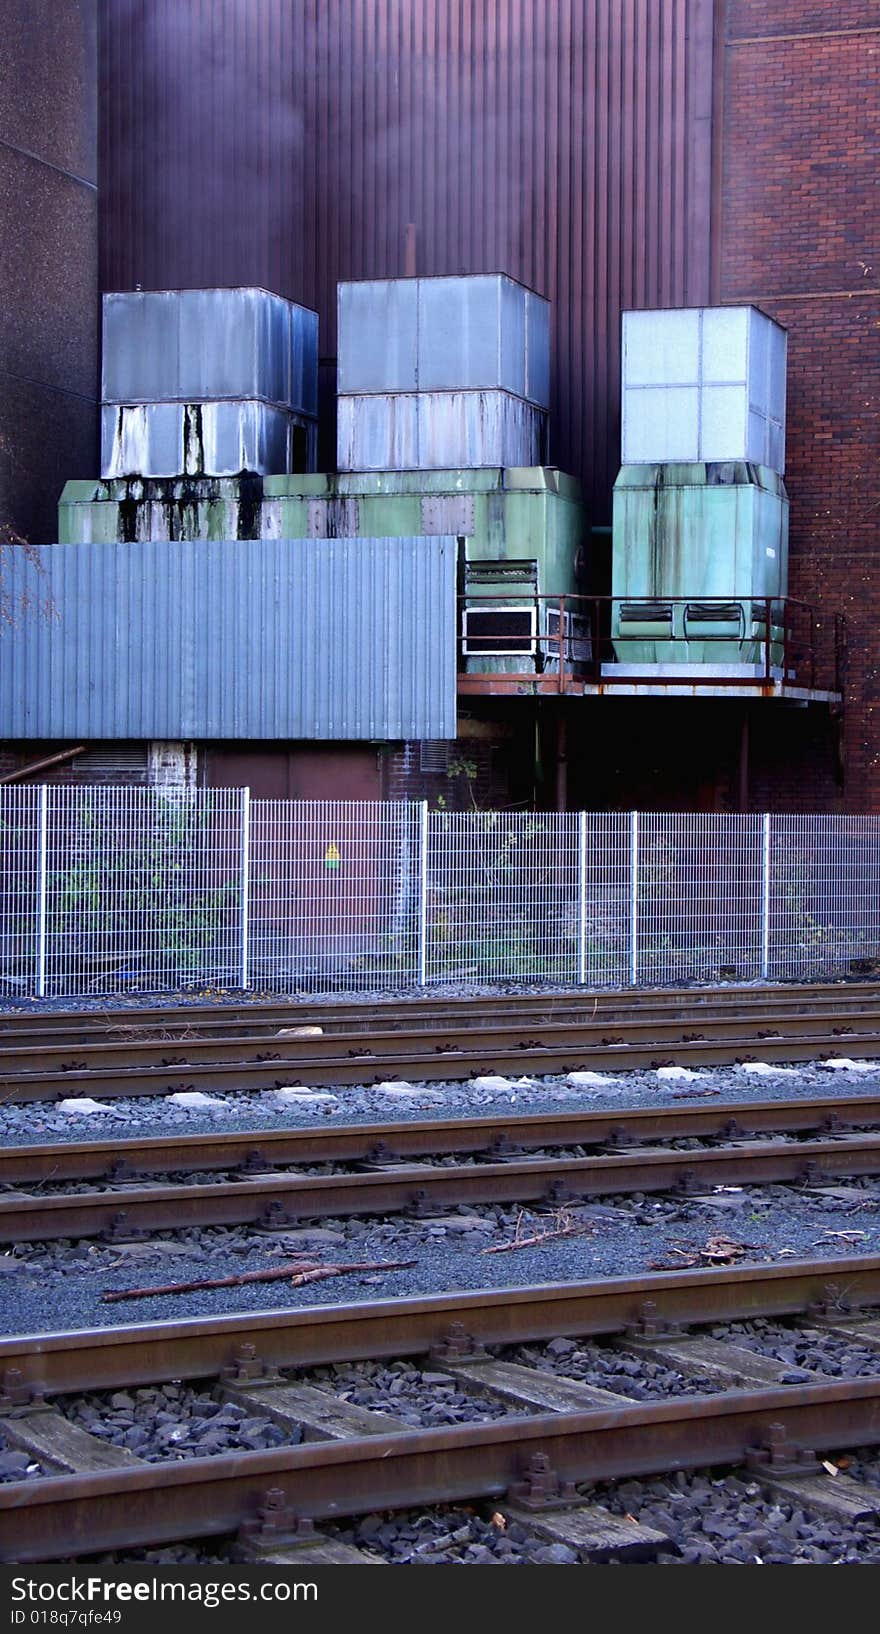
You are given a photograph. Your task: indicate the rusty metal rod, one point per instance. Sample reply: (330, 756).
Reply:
(294, 1271)
(347, 1143)
(398, 1012)
(160, 1503)
(422, 1060)
(284, 1199)
(316, 1335)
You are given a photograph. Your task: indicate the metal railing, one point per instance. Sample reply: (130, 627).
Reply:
(125, 890)
(559, 641)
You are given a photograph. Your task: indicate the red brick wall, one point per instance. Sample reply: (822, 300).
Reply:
(110, 764)
(799, 236)
(477, 773)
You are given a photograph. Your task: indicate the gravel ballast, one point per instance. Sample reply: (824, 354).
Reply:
(121, 1118)
(59, 1284)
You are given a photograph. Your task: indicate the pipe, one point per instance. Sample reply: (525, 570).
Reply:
(40, 765)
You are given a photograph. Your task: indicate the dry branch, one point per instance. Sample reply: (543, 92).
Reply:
(566, 1225)
(296, 1271)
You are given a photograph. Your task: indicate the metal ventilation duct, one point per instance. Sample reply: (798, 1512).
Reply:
(441, 372)
(704, 384)
(207, 381)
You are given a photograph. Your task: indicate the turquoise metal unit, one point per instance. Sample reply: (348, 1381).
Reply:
(522, 533)
(713, 536)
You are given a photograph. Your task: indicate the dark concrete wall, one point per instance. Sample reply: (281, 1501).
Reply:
(48, 269)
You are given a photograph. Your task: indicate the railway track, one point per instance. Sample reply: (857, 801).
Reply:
(431, 1051)
(545, 1430)
(376, 1014)
(275, 1178)
(540, 1435)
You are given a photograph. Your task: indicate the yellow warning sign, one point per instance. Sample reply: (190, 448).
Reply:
(332, 858)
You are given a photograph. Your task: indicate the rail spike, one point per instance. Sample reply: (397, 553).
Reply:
(542, 1487)
(275, 1526)
(833, 1303)
(254, 1162)
(457, 1345)
(649, 1324)
(17, 1394)
(248, 1367)
(273, 1216)
(120, 1230)
(778, 1455)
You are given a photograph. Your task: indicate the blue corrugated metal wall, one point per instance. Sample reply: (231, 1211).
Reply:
(265, 639)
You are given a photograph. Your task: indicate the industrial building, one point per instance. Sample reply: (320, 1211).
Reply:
(488, 403)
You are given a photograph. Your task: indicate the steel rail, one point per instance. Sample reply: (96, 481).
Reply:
(70, 1515)
(281, 1199)
(307, 1336)
(449, 1061)
(365, 1142)
(398, 1011)
(378, 1049)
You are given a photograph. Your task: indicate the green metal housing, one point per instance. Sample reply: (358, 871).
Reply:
(698, 532)
(522, 532)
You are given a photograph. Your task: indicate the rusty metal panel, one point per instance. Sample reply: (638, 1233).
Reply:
(568, 145)
(270, 639)
(335, 518)
(448, 513)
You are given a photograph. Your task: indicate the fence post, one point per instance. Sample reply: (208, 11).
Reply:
(244, 898)
(634, 898)
(765, 899)
(582, 897)
(423, 893)
(41, 892)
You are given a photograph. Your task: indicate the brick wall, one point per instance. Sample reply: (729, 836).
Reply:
(799, 236)
(486, 766)
(111, 764)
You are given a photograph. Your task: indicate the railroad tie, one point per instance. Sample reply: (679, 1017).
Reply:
(595, 1532)
(321, 1416)
(697, 1357)
(50, 1437)
(530, 1387)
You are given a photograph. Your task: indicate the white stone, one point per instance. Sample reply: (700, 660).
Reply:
(763, 1069)
(193, 1097)
(300, 1094)
(80, 1106)
(492, 1081)
(596, 1080)
(300, 1032)
(683, 1073)
(845, 1065)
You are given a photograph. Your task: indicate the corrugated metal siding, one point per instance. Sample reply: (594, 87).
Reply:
(568, 144)
(273, 639)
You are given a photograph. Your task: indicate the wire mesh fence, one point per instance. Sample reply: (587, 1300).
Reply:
(334, 894)
(109, 890)
(106, 890)
(502, 896)
(699, 897)
(823, 906)
(22, 886)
